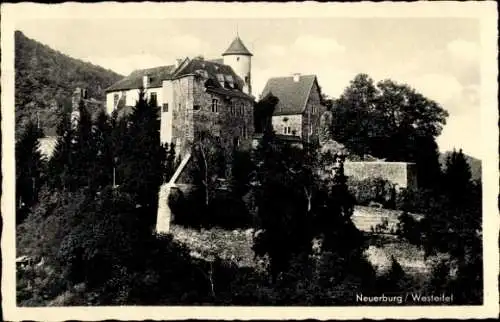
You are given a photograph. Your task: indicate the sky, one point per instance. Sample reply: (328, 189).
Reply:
(439, 57)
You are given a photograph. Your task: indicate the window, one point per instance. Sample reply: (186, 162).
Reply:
(165, 107)
(215, 105)
(153, 99)
(179, 107)
(237, 58)
(287, 130)
(229, 80)
(196, 107)
(244, 131)
(220, 78)
(116, 97)
(232, 108)
(242, 110)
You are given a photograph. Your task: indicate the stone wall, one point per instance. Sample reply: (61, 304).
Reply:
(192, 114)
(182, 114)
(293, 121)
(401, 173)
(232, 123)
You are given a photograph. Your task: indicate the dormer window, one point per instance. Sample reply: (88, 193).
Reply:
(145, 81)
(220, 78)
(229, 80)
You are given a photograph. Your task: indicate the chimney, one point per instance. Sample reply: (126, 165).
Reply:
(296, 77)
(145, 81)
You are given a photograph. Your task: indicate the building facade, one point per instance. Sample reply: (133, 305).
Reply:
(195, 96)
(299, 108)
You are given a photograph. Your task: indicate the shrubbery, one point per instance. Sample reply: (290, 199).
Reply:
(371, 190)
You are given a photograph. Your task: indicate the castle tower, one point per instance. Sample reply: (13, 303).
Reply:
(240, 59)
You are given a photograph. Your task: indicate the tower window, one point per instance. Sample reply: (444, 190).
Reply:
(165, 107)
(215, 105)
(237, 58)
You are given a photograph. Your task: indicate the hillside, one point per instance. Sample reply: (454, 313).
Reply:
(474, 164)
(45, 80)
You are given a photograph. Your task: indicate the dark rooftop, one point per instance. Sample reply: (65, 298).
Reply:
(292, 95)
(237, 48)
(134, 80)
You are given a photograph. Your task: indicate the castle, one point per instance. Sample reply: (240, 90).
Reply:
(215, 96)
(195, 96)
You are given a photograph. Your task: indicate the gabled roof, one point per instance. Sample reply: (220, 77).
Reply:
(237, 48)
(292, 95)
(134, 80)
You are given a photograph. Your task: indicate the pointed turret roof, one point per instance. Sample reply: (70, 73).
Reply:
(237, 48)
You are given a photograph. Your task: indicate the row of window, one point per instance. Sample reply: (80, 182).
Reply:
(235, 108)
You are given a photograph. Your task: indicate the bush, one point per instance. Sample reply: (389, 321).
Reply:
(373, 190)
(421, 201)
(409, 228)
(226, 209)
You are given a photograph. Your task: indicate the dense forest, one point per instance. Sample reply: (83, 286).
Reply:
(45, 80)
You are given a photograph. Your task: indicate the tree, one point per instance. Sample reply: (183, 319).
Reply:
(280, 186)
(142, 157)
(102, 171)
(352, 119)
(263, 111)
(84, 148)
(390, 121)
(170, 161)
(29, 169)
(457, 177)
(209, 164)
(60, 166)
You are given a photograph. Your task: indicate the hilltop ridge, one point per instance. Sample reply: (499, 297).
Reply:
(45, 80)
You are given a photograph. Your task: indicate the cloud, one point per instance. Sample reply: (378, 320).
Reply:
(275, 50)
(464, 50)
(317, 46)
(439, 87)
(464, 60)
(463, 132)
(187, 44)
